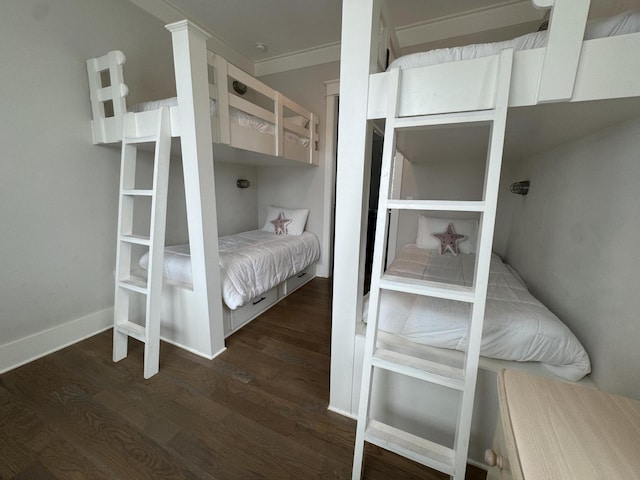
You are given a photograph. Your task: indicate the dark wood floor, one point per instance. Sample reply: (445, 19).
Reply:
(257, 411)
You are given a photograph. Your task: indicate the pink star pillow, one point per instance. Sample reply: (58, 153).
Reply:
(281, 223)
(449, 240)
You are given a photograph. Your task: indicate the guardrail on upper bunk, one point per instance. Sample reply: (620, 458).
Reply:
(107, 89)
(295, 129)
(246, 113)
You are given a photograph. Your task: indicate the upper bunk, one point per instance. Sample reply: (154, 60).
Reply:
(247, 116)
(574, 61)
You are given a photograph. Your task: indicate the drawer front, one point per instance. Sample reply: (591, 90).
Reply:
(255, 307)
(299, 279)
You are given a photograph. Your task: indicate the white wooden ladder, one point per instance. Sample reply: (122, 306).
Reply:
(131, 288)
(451, 461)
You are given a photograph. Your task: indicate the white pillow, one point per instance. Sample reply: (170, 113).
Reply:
(465, 226)
(298, 217)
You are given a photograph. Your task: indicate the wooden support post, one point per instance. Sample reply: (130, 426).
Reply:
(352, 179)
(192, 86)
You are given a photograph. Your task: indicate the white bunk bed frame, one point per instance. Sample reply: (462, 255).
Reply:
(567, 70)
(194, 316)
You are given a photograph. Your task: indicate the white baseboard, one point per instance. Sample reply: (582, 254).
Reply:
(27, 349)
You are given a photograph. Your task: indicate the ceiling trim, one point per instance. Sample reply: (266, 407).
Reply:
(301, 59)
(474, 21)
(167, 12)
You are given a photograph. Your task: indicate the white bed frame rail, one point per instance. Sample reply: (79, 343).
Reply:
(108, 94)
(568, 69)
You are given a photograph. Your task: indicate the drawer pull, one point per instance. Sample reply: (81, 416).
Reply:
(258, 301)
(302, 274)
(493, 459)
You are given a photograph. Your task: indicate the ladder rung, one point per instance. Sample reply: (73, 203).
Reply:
(428, 288)
(135, 284)
(477, 116)
(419, 368)
(410, 446)
(137, 239)
(133, 330)
(137, 192)
(437, 205)
(142, 139)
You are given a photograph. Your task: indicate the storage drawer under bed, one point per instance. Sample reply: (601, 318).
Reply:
(296, 281)
(252, 309)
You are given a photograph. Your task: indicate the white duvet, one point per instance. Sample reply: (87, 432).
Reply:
(250, 262)
(239, 117)
(624, 23)
(517, 326)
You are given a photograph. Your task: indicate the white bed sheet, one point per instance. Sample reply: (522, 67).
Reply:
(239, 117)
(517, 326)
(250, 262)
(624, 23)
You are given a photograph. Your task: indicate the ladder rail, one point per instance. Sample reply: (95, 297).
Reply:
(125, 283)
(483, 258)
(455, 464)
(388, 150)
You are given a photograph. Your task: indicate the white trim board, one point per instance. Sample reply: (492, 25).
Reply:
(24, 350)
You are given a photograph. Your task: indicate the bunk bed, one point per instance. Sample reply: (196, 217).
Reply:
(564, 67)
(217, 103)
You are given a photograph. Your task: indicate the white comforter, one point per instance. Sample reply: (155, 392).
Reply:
(624, 23)
(250, 262)
(516, 327)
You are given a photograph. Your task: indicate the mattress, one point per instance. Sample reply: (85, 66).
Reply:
(517, 326)
(238, 117)
(250, 262)
(624, 23)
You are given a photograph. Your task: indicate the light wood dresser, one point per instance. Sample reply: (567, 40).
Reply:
(550, 429)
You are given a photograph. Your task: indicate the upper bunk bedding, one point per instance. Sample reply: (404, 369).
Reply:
(547, 67)
(240, 118)
(517, 326)
(622, 24)
(250, 262)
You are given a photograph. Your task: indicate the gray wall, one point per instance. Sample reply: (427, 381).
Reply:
(573, 240)
(58, 193)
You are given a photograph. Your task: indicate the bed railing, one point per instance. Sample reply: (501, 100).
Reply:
(107, 91)
(231, 88)
(234, 88)
(562, 55)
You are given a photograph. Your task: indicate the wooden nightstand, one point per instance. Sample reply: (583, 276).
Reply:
(550, 429)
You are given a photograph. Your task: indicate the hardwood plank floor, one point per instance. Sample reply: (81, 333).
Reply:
(258, 411)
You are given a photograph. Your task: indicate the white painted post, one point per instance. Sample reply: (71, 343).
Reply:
(192, 86)
(360, 20)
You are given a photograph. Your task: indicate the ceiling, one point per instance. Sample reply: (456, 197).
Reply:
(288, 26)
(295, 28)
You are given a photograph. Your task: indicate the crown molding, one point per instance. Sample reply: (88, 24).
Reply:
(301, 59)
(474, 21)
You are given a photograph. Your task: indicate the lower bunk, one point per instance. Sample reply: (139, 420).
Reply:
(519, 332)
(258, 268)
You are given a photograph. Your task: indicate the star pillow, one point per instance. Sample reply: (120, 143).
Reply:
(449, 240)
(281, 223)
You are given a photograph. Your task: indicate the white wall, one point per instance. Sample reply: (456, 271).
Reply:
(300, 187)
(237, 208)
(573, 238)
(461, 179)
(58, 194)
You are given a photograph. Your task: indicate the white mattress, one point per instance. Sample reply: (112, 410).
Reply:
(517, 326)
(250, 262)
(241, 118)
(624, 23)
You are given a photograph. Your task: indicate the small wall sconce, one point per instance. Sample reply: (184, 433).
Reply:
(243, 183)
(520, 188)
